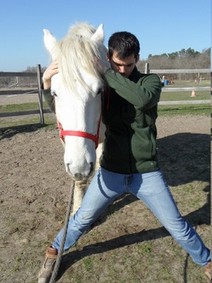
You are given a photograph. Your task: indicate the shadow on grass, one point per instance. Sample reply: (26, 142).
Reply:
(9, 132)
(184, 158)
(130, 239)
(112, 244)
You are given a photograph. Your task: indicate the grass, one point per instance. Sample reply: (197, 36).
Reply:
(167, 110)
(18, 107)
(185, 95)
(189, 83)
(88, 264)
(24, 119)
(197, 109)
(177, 96)
(131, 246)
(165, 96)
(163, 110)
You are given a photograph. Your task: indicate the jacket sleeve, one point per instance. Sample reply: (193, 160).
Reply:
(49, 99)
(143, 94)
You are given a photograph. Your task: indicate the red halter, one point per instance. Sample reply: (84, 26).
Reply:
(94, 138)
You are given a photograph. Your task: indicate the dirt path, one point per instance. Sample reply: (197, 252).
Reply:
(131, 246)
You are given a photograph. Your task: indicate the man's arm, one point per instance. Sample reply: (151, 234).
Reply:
(144, 94)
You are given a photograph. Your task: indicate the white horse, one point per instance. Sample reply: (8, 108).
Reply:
(77, 88)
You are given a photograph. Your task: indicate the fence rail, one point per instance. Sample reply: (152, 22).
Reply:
(180, 89)
(38, 90)
(18, 74)
(180, 71)
(147, 70)
(18, 91)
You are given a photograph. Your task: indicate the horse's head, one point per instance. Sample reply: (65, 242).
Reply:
(77, 89)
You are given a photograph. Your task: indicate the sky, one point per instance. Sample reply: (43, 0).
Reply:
(162, 26)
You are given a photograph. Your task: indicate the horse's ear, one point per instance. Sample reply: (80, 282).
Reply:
(50, 42)
(98, 36)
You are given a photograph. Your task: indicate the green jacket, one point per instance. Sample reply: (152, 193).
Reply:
(129, 113)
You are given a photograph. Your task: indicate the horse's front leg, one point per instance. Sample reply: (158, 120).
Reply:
(81, 186)
(79, 191)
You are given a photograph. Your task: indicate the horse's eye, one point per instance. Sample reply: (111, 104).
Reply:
(99, 91)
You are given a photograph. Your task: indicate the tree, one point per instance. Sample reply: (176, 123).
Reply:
(183, 59)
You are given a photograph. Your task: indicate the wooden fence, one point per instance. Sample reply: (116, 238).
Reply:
(38, 90)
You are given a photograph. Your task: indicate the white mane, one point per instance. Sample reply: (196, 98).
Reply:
(76, 52)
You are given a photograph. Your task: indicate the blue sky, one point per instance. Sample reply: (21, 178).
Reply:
(162, 26)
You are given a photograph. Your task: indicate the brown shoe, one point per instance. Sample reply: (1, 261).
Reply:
(208, 271)
(47, 268)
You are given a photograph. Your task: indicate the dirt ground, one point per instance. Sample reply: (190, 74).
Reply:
(128, 244)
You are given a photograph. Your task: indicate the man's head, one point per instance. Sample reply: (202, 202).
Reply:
(123, 52)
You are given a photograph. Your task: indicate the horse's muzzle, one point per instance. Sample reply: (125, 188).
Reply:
(81, 175)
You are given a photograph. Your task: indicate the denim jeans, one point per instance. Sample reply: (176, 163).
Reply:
(151, 188)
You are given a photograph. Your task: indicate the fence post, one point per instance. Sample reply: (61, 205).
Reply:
(40, 99)
(210, 201)
(146, 71)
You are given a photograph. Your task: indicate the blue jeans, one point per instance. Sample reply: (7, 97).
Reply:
(151, 188)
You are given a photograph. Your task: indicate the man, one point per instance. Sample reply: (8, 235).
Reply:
(129, 160)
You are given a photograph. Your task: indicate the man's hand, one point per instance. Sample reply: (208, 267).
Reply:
(48, 74)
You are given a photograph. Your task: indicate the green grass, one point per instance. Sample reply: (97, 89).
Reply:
(49, 121)
(177, 96)
(189, 83)
(24, 119)
(185, 95)
(88, 264)
(197, 109)
(18, 107)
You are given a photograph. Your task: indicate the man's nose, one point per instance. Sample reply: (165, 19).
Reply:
(122, 69)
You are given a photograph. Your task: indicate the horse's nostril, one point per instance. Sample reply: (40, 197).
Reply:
(77, 176)
(80, 173)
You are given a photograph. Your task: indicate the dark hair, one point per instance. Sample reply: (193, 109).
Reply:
(124, 44)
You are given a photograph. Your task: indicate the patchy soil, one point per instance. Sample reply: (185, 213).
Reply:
(128, 244)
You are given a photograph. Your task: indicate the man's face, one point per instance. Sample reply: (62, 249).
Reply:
(123, 66)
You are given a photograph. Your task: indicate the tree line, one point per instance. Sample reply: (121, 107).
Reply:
(183, 59)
